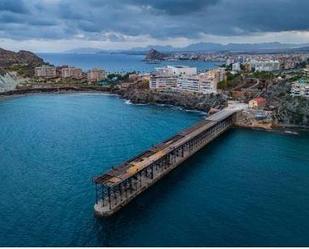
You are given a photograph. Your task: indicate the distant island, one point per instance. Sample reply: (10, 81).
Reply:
(153, 55)
(205, 47)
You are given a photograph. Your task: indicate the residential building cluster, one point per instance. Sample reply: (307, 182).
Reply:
(64, 72)
(266, 66)
(300, 88)
(257, 66)
(184, 78)
(265, 62)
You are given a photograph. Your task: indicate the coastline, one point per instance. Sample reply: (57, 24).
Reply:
(53, 90)
(27, 92)
(281, 128)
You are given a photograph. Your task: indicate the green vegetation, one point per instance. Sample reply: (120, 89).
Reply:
(295, 78)
(298, 76)
(231, 81)
(116, 78)
(263, 75)
(23, 70)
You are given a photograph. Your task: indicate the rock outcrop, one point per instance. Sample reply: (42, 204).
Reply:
(154, 55)
(287, 110)
(9, 81)
(187, 100)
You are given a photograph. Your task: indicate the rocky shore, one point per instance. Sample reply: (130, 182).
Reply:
(56, 89)
(288, 111)
(190, 101)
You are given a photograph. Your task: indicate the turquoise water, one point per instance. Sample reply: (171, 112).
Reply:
(246, 188)
(117, 62)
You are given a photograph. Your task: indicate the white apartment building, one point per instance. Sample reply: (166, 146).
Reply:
(204, 82)
(186, 79)
(236, 67)
(189, 83)
(176, 70)
(267, 66)
(162, 81)
(300, 88)
(166, 77)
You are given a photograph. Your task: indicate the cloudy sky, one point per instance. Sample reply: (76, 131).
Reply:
(57, 25)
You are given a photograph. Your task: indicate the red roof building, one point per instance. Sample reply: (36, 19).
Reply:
(257, 102)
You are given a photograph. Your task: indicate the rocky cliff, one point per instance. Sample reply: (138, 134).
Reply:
(190, 101)
(9, 81)
(287, 110)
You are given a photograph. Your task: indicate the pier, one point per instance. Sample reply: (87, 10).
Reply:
(120, 185)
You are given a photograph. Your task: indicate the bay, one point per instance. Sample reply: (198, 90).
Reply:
(247, 188)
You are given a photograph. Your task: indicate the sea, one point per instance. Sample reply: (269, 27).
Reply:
(246, 188)
(118, 63)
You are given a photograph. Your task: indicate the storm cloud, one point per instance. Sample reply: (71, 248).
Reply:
(116, 20)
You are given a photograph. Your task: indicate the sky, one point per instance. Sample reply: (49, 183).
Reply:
(59, 25)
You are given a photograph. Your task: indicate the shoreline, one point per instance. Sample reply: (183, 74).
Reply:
(53, 90)
(68, 90)
(281, 128)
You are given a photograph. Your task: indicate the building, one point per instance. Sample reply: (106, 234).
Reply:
(95, 75)
(176, 70)
(300, 88)
(228, 62)
(217, 74)
(236, 67)
(247, 67)
(182, 70)
(167, 77)
(209, 80)
(266, 66)
(71, 72)
(162, 81)
(208, 83)
(45, 71)
(257, 103)
(188, 83)
(203, 83)
(187, 79)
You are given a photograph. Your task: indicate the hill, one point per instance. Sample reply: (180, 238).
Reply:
(154, 55)
(22, 61)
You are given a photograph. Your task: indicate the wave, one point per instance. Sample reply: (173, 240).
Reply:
(129, 102)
